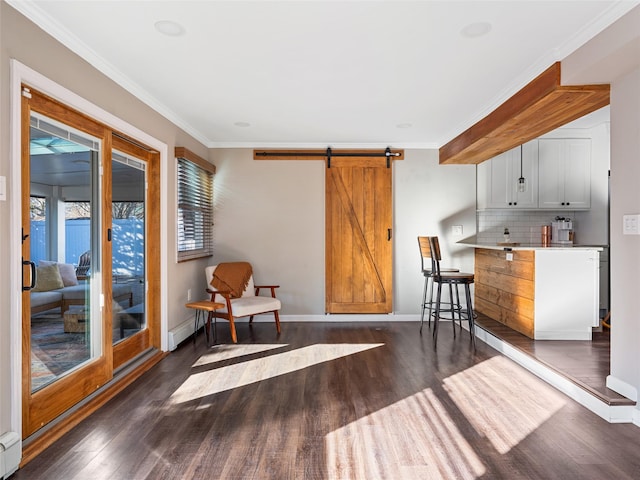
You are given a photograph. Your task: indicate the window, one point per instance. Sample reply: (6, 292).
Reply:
(195, 206)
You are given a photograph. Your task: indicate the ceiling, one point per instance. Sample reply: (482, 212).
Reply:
(324, 73)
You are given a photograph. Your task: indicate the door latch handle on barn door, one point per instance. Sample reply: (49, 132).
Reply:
(33, 274)
(388, 234)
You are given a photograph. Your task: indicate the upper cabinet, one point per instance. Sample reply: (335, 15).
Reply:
(498, 179)
(557, 173)
(564, 173)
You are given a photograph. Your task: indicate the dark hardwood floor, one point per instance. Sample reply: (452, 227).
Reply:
(340, 401)
(585, 363)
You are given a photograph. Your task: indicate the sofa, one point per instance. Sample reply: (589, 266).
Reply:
(57, 287)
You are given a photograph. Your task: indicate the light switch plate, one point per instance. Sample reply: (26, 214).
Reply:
(631, 224)
(3, 188)
(456, 230)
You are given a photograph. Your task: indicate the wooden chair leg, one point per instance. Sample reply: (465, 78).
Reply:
(232, 327)
(277, 315)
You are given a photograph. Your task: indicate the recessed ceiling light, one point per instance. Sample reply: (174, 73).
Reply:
(170, 28)
(477, 29)
(242, 124)
(404, 125)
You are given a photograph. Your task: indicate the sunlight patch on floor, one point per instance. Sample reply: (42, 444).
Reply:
(237, 375)
(228, 351)
(410, 439)
(503, 402)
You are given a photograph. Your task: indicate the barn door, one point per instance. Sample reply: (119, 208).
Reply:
(358, 236)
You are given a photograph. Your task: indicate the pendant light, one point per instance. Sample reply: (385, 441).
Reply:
(522, 182)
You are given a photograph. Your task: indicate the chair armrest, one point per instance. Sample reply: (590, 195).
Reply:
(270, 287)
(224, 293)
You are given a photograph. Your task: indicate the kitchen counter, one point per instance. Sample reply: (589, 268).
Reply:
(545, 293)
(529, 246)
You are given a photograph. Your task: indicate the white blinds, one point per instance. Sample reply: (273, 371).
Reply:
(195, 211)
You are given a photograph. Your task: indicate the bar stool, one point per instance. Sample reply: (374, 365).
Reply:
(452, 279)
(426, 263)
(201, 307)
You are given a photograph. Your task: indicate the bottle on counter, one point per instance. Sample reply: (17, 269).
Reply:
(546, 235)
(506, 235)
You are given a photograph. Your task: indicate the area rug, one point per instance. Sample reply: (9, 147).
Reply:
(54, 352)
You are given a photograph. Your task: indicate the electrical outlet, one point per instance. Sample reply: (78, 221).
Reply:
(188, 295)
(509, 257)
(456, 230)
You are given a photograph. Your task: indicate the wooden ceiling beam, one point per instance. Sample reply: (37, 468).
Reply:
(540, 107)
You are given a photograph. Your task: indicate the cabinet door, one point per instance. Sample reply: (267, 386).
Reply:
(550, 173)
(564, 173)
(498, 179)
(500, 188)
(527, 167)
(577, 173)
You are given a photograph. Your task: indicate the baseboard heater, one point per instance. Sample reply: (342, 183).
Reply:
(10, 452)
(180, 333)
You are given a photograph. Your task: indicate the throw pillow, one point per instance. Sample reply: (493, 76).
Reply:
(48, 278)
(67, 272)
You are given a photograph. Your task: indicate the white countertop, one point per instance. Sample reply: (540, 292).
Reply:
(528, 246)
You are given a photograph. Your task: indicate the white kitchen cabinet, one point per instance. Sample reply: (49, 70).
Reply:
(498, 179)
(564, 169)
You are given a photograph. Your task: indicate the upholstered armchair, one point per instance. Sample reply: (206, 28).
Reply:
(250, 303)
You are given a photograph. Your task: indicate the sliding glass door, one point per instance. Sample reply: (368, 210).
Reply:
(86, 235)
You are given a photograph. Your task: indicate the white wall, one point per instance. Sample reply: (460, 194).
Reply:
(272, 214)
(428, 200)
(625, 249)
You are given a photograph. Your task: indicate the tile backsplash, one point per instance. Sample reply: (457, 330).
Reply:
(524, 225)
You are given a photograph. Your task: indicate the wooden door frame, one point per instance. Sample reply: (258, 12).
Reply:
(156, 263)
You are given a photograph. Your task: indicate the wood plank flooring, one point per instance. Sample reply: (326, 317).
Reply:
(340, 401)
(585, 363)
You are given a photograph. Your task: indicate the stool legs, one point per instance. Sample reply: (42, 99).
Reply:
(455, 307)
(195, 326)
(472, 329)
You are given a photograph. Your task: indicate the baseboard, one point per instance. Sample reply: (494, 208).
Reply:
(623, 388)
(340, 317)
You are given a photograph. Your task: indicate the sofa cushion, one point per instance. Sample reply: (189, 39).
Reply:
(76, 292)
(48, 278)
(81, 291)
(67, 272)
(39, 299)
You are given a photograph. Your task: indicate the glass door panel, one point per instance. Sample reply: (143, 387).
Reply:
(128, 213)
(64, 222)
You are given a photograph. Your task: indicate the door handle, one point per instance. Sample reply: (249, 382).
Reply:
(388, 234)
(33, 275)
